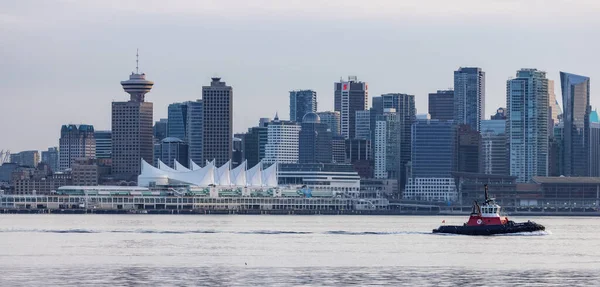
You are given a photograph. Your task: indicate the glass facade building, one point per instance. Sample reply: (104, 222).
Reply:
(195, 131)
(494, 149)
(302, 102)
(469, 97)
(527, 124)
(177, 124)
(433, 145)
(576, 119)
(315, 141)
(441, 105)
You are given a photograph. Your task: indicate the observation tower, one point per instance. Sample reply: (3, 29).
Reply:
(137, 86)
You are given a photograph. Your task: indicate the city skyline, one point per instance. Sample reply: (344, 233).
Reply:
(180, 67)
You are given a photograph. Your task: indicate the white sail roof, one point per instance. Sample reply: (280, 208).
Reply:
(254, 175)
(180, 167)
(238, 175)
(222, 175)
(165, 167)
(269, 176)
(193, 165)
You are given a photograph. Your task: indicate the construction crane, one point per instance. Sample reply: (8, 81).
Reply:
(4, 156)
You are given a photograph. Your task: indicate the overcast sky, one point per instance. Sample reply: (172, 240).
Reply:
(61, 61)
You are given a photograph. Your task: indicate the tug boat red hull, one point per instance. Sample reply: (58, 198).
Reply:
(486, 220)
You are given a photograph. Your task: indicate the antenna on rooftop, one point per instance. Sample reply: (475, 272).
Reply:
(137, 61)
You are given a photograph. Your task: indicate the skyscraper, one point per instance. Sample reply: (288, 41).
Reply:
(314, 141)
(160, 129)
(469, 97)
(594, 144)
(363, 125)
(103, 144)
(255, 142)
(527, 126)
(177, 124)
(29, 158)
(283, 142)
(387, 144)
(50, 157)
(404, 105)
(132, 133)
(169, 150)
(494, 150)
(302, 102)
(332, 119)
(441, 105)
(349, 97)
(195, 130)
(576, 118)
(468, 150)
(555, 110)
(218, 122)
(75, 142)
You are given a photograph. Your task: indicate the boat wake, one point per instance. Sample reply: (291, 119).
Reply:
(257, 232)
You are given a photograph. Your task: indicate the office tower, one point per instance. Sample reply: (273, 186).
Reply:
(50, 157)
(195, 131)
(527, 124)
(302, 102)
(314, 141)
(386, 151)
(500, 114)
(363, 125)
(76, 142)
(237, 156)
(132, 132)
(405, 107)
(218, 122)
(594, 144)
(255, 143)
(441, 105)
(169, 150)
(332, 119)
(556, 151)
(160, 129)
(555, 110)
(85, 172)
(469, 97)
(468, 150)
(576, 119)
(29, 158)
(358, 153)
(349, 97)
(338, 149)
(103, 144)
(283, 142)
(433, 159)
(177, 124)
(494, 147)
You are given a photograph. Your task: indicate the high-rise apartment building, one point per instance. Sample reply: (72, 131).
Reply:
(332, 119)
(469, 97)
(177, 123)
(349, 97)
(494, 147)
(386, 151)
(302, 102)
(527, 124)
(103, 144)
(576, 119)
(283, 142)
(441, 105)
(404, 105)
(555, 110)
(314, 141)
(50, 157)
(76, 142)
(363, 125)
(218, 122)
(132, 132)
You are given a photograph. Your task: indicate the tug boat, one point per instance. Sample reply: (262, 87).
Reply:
(486, 220)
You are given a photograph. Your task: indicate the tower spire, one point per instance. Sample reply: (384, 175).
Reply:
(137, 61)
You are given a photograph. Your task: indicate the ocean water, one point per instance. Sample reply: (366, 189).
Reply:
(273, 250)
